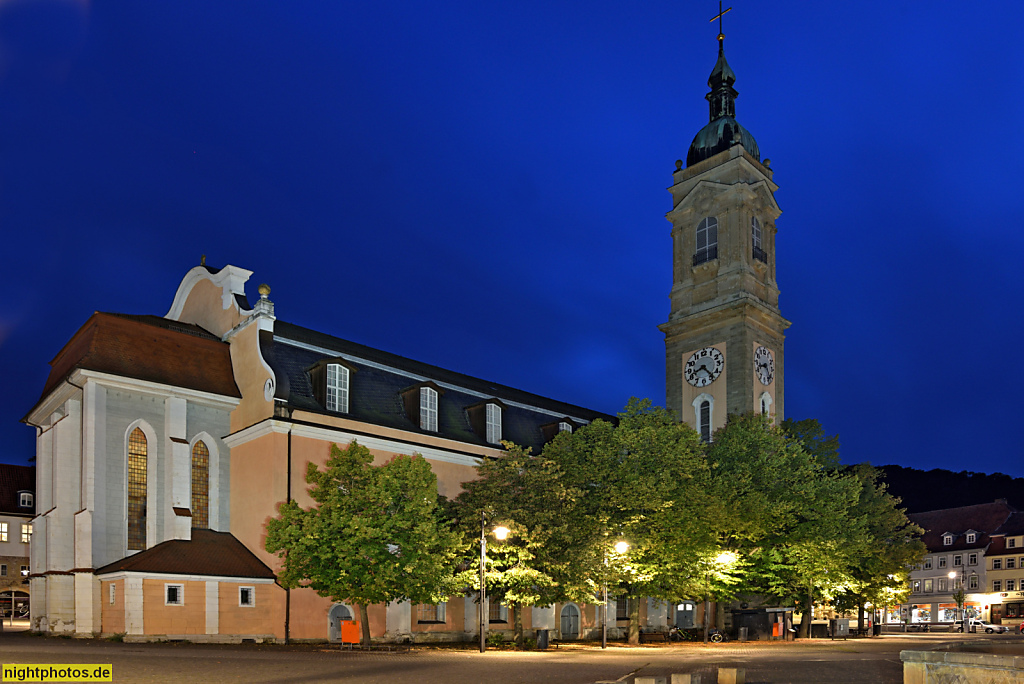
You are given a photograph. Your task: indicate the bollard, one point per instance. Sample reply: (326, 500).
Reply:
(732, 675)
(685, 679)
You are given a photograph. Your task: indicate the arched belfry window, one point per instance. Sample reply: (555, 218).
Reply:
(138, 450)
(704, 415)
(766, 403)
(200, 486)
(707, 241)
(755, 239)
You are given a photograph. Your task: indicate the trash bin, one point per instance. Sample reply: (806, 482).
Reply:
(742, 634)
(542, 639)
(877, 630)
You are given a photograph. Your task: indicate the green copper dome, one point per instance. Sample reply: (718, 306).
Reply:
(723, 131)
(718, 136)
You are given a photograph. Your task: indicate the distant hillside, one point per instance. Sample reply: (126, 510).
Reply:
(929, 490)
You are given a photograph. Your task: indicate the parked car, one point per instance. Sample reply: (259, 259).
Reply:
(976, 625)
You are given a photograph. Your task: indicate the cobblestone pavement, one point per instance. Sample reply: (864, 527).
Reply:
(863, 660)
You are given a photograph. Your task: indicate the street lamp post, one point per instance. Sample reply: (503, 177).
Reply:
(621, 547)
(723, 558)
(500, 533)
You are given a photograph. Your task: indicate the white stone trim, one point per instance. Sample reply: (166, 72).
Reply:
(219, 401)
(267, 427)
(700, 399)
(422, 378)
(212, 607)
(231, 280)
(252, 590)
(170, 577)
(181, 593)
(132, 604)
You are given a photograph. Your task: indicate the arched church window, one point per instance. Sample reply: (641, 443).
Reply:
(707, 240)
(137, 465)
(705, 420)
(755, 238)
(200, 486)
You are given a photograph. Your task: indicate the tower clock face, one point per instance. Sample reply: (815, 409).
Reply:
(704, 367)
(764, 365)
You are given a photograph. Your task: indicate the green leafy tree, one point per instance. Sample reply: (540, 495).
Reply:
(643, 481)
(374, 535)
(786, 510)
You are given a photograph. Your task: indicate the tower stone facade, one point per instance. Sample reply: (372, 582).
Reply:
(724, 336)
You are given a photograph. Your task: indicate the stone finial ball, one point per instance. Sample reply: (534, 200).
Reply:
(264, 290)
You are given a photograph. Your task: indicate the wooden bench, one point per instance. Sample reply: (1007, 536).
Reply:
(653, 636)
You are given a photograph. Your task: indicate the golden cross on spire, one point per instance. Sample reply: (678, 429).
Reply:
(721, 35)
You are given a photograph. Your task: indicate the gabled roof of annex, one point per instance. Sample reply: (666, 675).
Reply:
(217, 554)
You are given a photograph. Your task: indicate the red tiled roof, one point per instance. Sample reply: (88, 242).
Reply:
(981, 518)
(147, 348)
(216, 554)
(14, 479)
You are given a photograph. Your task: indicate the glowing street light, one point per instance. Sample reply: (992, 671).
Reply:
(500, 533)
(621, 547)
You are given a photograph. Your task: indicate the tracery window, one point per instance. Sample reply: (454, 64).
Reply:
(200, 486)
(137, 460)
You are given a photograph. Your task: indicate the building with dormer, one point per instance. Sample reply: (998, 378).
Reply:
(17, 508)
(958, 540)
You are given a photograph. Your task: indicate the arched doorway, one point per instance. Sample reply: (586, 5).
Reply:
(569, 625)
(339, 613)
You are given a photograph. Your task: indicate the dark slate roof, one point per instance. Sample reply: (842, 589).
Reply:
(981, 518)
(147, 348)
(210, 553)
(1014, 526)
(375, 393)
(15, 479)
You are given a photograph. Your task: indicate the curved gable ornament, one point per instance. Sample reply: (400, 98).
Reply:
(194, 299)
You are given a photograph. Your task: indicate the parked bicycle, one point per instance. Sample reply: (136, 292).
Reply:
(716, 636)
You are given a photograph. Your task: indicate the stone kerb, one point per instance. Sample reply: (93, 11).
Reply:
(926, 667)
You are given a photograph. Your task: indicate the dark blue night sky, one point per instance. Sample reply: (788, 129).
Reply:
(482, 186)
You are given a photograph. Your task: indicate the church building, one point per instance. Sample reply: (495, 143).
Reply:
(165, 443)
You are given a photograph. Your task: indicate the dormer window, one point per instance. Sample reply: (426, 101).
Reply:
(971, 537)
(564, 427)
(331, 380)
(551, 430)
(1011, 543)
(25, 499)
(428, 409)
(947, 540)
(707, 241)
(422, 402)
(337, 388)
(493, 423)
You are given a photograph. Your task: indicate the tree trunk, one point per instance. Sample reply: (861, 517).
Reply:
(365, 620)
(517, 624)
(634, 621)
(805, 620)
(860, 613)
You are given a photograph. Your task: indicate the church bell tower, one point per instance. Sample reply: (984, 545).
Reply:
(724, 336)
